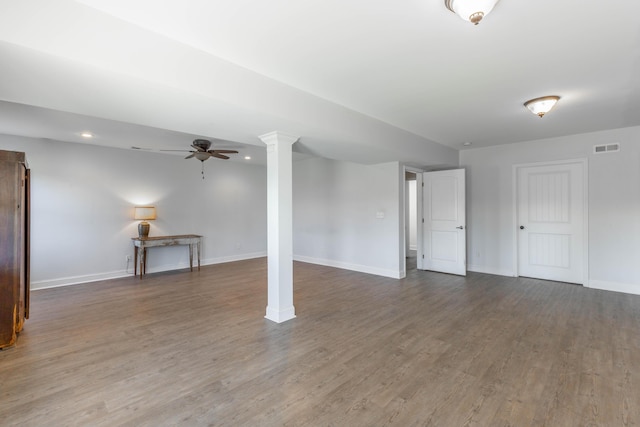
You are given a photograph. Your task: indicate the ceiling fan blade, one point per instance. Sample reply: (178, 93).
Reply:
(224, 151)
(178, 150)
(200, 149)
(190, 156)
(219, 156)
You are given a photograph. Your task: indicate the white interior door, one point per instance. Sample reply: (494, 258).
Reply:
(550, 212)
(444, 234)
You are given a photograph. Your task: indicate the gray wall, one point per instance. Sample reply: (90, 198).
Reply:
(83, 197)
(82, 208)
(613, 197)
(335, 215)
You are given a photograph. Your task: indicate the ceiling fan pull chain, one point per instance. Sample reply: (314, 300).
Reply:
(202, 163)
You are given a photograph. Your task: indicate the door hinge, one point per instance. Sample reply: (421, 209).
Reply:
(423, 220)
(422, 256)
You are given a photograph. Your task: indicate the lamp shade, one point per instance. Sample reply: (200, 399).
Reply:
(471, 10)
(145, 212)
(543, 105)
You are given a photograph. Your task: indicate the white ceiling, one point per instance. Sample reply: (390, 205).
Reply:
(367, 81)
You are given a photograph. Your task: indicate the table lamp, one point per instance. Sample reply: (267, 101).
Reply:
(144, 213)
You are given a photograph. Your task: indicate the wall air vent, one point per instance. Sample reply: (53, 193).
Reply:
(606, 148)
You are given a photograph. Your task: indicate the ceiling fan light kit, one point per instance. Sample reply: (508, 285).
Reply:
(202, 156)
(471, 10)
(541, 106)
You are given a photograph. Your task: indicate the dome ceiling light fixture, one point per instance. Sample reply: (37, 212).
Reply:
(471, 10)
(542, 105)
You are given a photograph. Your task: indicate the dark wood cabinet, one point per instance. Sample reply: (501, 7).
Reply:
(14, 245)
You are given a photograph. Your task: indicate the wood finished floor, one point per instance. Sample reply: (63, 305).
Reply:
(184, 348)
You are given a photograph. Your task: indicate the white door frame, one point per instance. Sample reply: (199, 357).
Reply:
(585, 228)
(420, 249)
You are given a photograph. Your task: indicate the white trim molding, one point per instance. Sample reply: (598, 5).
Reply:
(78, 280)
(627, 288)
(489, 270)
(353, 267)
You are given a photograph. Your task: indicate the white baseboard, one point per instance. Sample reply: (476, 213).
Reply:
(232, 258)
(353, 267)
(208, 261)
(77, 280)
(489, 270)
(626, 288)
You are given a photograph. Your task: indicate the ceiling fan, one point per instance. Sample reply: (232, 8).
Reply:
(203, 152)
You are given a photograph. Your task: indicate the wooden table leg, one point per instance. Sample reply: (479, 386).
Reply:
(135, 261)
(143, 262)
(191, 256)
(198, 247)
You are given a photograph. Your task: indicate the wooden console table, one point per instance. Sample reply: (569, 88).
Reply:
(140, 246)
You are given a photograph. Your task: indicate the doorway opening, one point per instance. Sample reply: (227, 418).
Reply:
(410, 220)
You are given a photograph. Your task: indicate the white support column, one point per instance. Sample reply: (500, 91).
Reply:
(279, 226)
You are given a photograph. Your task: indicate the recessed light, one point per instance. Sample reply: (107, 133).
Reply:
(466, 144)
(247, 157)
(86, 135)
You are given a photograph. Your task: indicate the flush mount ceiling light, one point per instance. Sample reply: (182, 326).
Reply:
(86, 135)
(471, 10)
(541, 106)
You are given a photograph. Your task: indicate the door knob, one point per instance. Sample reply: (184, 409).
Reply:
(522, 227)
(460, 227)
